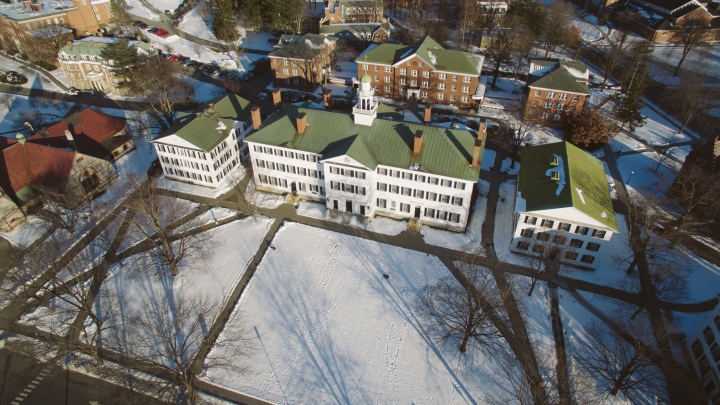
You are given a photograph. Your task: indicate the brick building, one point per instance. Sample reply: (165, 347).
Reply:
(358, 32)
(85, 69)
(26, 25)
(301, 61)
(423, 70)
(657, 20)
(352, 11)
(555, 89)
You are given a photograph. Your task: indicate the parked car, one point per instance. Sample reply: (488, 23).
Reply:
(187, 62)
(72, 91)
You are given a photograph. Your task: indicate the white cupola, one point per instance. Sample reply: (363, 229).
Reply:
(365, 111)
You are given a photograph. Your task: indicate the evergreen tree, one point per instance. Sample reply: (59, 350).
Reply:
(633, 80)
(120, 15)
(252, 13)
(224, 21)
(125, 59)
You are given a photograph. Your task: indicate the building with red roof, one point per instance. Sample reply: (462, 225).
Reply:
(89, 132)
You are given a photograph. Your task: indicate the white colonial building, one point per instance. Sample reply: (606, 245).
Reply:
(206, 146)
(369, 162)
(563, 200)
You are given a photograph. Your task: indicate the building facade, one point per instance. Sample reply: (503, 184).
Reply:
(352, 11)
(85, 69)
(370, 163)
(301, 61)
(703, 346)
(358, 32)
(555, 89)
(207, 147)
(563, 203)
(424, 70)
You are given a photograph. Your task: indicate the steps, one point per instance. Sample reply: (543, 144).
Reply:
(414, 225)
(291, 199)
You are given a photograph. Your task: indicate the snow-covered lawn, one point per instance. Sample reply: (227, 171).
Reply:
(378, 224)
(470, 240)
(488, 159)
(330, 329)
(638, 172)
(35, 79)
(139, 9)
(588, 31)
(46, 112)
(194, 24)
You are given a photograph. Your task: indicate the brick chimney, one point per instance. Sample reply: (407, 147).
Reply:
(255, 117)
(483, 127)
(69, 135)
(26, 4)
(476, 153)
(92, 43)
(428, 113)
(69, 45)
(418, 142)
(277, 101)
(301, 123)
(327, 99)
(36, 6)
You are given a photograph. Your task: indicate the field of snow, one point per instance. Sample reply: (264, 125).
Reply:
(136, 7)
(331, 329)
(35, 79)
(470, 240)
(194, 24)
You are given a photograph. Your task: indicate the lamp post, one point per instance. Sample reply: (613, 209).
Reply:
(628, 180)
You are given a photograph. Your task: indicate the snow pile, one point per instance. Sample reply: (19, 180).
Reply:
(330, 329)
(221, 126)
(505, 167)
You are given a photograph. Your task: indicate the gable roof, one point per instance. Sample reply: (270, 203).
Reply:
(585, 188)
(211, 123)
(303, 47)
(354, 28)
(46, 166)
(555, 75)
(388, 142)
(91, 130)
(429, 51)
(94, 45)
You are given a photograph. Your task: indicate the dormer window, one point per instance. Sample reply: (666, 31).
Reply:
(553, 161)
(555, 176)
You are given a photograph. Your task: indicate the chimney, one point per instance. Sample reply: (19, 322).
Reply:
(36, 7)
(255, 115)
(138, 37)
(327, 99)
(483, 127)
(301, 123)
(211, 106)
(29, 125)
(69, 45)
(428, 113)
(26, 4)
(277, 102)
(418, 142)
(69, 135)
(92, 43)
(476, 153)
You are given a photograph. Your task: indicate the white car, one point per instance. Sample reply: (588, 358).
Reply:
(72, 91)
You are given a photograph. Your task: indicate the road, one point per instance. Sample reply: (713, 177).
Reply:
(26, 381)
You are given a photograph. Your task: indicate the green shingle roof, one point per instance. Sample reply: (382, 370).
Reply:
(210, 126)
(582, 172)
(444, 59)
(445, 152)
(297, 47)
(558, 78)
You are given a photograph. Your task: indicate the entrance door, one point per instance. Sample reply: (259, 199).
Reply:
(335, 205)
(293, 188)
(348, 206)
(417, 212)
(362, 210)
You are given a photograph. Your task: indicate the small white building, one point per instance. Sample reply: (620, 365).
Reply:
(563, 199)
(705, 350)
(369, 162)
(205, 146)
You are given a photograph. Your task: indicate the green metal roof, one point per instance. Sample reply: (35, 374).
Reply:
(365, 78)
(210, 126)
(445, 152)
(443, 59)
(582, 172)
(297, 47)
(558, 78)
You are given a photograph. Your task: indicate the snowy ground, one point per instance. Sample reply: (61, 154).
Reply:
(470, 240)
(194, 24)
(378, 224)
(331, 329)
(137, 8)
(44, 110)
(508, 167)
(35, 79)
(504, 217)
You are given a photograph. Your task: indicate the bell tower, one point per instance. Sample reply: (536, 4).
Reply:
(365, 111)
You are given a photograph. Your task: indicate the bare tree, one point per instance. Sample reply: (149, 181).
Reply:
(693, 200)
(296, 10)
(62, 210)
(692, 97)
(247, 197)
(557, 25)
(168, 333)
(516, 131)
(160, 82)
(463, 313)
(501, 51)
(167, 223)
(548, 249)
(7, 100)
(621, 366)
(691, 34)
(512, 387)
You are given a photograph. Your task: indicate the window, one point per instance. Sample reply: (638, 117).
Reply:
(444, 198)
(550, 94)
(430, 212)
(377, 87)
(664, 33)
(413, 83)
(382, 171)
(403, 72)
(381, 203)
(388, 79)
(425, 84)
(559, 240)
(431, 196)
(564, 226)
(388, 89)
(576, 243)
(592, 246)
(426, 74)
(377, 68)
(295, 72)
(394, 189)
(596, 233)
(441, 86)
(571, 255)
(537, 93)
(542, 236)
(382, 187)
(423, 94)
(407, 176)
(433, 180)
(546, 223)
(527, 233)
(441, 96)
(466, 89)
(587, 259)
(395, 173)
(572, 108)
(420, 178)
(556, 117)
(453, 87)
(522, 245)
(464, 99)
(576, 98)
(419, 194)
(388, 69)
(443, 76)
(286, 71)
(547, 104)
(409, 63)
(545, 115)
(455, 218)
(530, 220)
(403, 82)
(405, 207)
(377, 78)
(559, 107)
(467, 79)
(582, 230)
(406, 191)
(413, 73)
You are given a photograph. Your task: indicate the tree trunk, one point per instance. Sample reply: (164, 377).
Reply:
(618, 383)
(466, 339)
(532, 285)
(495, 74)
(682, 59)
